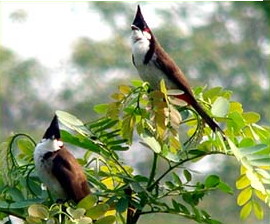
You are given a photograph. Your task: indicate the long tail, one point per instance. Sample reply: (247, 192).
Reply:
(212, 124)
(194, 103)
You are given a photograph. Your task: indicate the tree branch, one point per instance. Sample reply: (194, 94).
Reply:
(153, 171)
(152, 186)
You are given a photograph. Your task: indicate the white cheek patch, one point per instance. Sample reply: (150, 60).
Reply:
(60, 143)
(147, 35)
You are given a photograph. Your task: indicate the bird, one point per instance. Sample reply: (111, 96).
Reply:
(57, 168)
(154, 64)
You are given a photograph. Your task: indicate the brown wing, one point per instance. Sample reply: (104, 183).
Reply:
(70, 175)
(174, 73)
(165, 63)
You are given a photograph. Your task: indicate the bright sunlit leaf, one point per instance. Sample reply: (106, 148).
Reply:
(88, 202)
(220, 107)
(251, 117)
(106, 220)
(244, 196)
(124, 89)
(242, 182)
(97, 211)
(38, 211)
(151, 142)
(258, 211)
(246, 210)
(101, 108)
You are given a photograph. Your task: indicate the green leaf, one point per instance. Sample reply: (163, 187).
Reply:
(176, 179)
(197, 152)
(169, 155)
(163, 88)
(25, 203)
(258, 211)
(234, 149)
(212, 181)
(242, 182)
(128, 124)
(106, 126)
(255, 181)
(211, 93)
(88, 202)
(253, 149)
(169, 185)
(122, 205)
(183, 209)
(15, 194)
(4, 204)
(97, 211)
(246, 142)
(236, 107)
(33, 220)
(244, 196)
(38, 211)
(118, 97)
(251, 117)
(151, 143)
(140, 178)
(174, 92)
(124, 89)
(136, 187)
(26, 147)
(98, 123)
(117, 142)
(84, 220)
(80, 141)
(101, 108)
(187, 175)
(260, 195)
(76, 213)
(225, 188)
(236, 121)
(119, 148)
(110, 219)
(136, 83)
(176, 206)
(220, 107)
(72, 122)
(246, 210)
(260, 162)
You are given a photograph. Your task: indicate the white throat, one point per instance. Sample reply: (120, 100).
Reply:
(44, 167)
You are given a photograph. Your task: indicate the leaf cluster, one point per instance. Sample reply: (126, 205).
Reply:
(172, 131)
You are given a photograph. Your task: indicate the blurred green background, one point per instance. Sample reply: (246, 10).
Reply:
(71, 56)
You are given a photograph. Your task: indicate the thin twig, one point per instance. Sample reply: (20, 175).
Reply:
(151, 187)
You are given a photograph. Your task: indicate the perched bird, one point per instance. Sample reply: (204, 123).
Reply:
(57, 167)
(154, 64)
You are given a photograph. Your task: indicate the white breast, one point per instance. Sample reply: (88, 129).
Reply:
(148, 72)
(44, 167)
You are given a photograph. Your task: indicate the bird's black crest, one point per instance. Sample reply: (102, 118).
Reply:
(53, 131)
(139, 20)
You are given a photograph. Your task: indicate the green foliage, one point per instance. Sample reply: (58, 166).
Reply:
(230, 52)
(159, 121)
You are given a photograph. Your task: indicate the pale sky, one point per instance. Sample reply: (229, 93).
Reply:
(59, 25)
(45, 26)
(48, 35)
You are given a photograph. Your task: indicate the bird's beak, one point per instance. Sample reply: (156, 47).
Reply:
(138, 22)
(53, 131)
